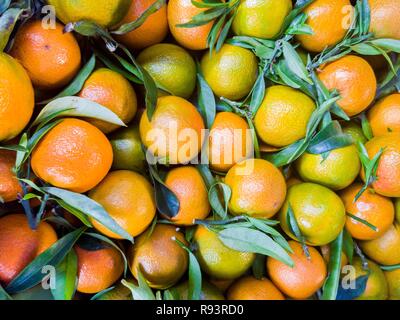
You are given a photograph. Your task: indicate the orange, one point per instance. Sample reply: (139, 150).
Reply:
(319, 212)
(371, 207)
(175, 132)
(258, 188)
(261, 18)
(250, 288)
(355, 81)
(229, 141)
(384, 117)
(128, 198)
(304, 279)
(183, 11)
(161, 260)
(222, 285)
(216, 259)
(51, 57)
(283, 116)
(384, 250)
(152, 31)
(189, 187)
(231, 72)
(9, 185)
(17, 102)
(329, 20)
(208, 291)
(113, 91)
(355, 131)
(393, 281)
(19, 245)
(98, 268)
(385, 17)
(326, 254)
(73, 155)
(388, 173)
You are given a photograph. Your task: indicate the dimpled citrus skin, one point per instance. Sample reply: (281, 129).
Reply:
(129, 199)
(319, 212)
(393, 281)
(384, 117)
(217, 260)
(50, 56)
(250, 288)
(161, 259)
(336, 172)
(16, 97)
(9, 185)
(384, 250)
(283, 116)
(171, 66)
(325, 18)
(68, 150)
(304, 279)
(371, 207)
(261, 18)
(19, 244)
(230, 72)
(189, 187)
(385, 17)
(388, 173)
(354, 79)
(111, 90)
(258, 188)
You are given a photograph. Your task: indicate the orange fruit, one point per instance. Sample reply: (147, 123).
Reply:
(152, 31)
(371, 207)
(385, 17)
(9, 185)
(329, 20)
(183, 11)
(17, 102)
(129, 199)
(384, 117)
(388, 173)
(355, 81)
(175, 131)
(258, 188)
(231, 72)
(355, 131)
(161, 260)
(222, 285)
(229, 141)
(113, 91)
(250, 288)
(20, 245)
(68, 150)
(51, 57)
(189, 187)
(208, 291)
(304, 279)
(393, 281)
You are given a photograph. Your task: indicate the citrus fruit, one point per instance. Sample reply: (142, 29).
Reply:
(216, 259)
(326, 254)
(385, 15)
(175, 131)
(152, 31)
(171, 66)
(69, 149)
(329, 21)
(319, 212)
(283, 116)
(370, 207)
(17, 102)
(354, 131)
(208, 291)
(261, 18)
(355, 81)
(231, 72)
(119, 292)
(250, 288)
(305, 278)
(9, 185)
(393, 281)
(111, 90)
(336, 171)
(258, 188)
(128, 198)
(19, 244)
(190, 189)
(161, 260)
(51, 57)
(384, 117)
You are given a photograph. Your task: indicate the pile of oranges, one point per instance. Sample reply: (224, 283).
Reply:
(175, 150)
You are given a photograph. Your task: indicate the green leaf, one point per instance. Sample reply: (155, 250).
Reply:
(66, 278)
(142, 291)
(98, 295)
(391, 268)
(77, 213)
(7, 24)
(258, 267)
(4, 295)
(214, 33)
(258, 94)
(224, 32)
(215, 201)
(4, 5)
(206, 101)
(364, 16)
(289, 154)
(366, 127)
(348, 245)
(295, 229)
(350, 293)
(204, 17)
(365, 49)
(364, 222)
(294, 62)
